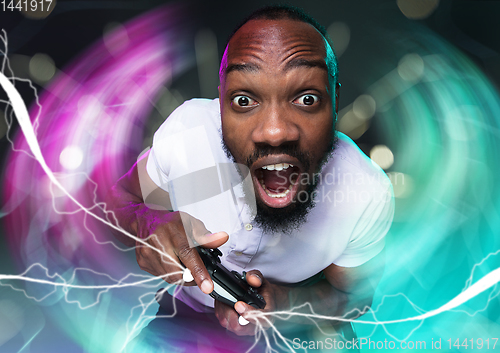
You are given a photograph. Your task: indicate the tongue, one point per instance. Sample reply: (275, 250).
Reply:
(277, 181)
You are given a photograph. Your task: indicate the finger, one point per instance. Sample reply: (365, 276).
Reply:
(193, 228)
(254, 278)
(221, 312)
(170, 272)
(234, 325)
(148, 261)
(212, 240)
(190, 258)
(243, 309)
(196, 230)
(167, 264)
(242, 321)
(174, 275)
(242, 330)
(230, 320)
(171, 275)
(187, 276)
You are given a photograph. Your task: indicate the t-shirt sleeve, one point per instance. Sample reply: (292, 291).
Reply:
(368, 236)
(155, 172)
(184, 143)
(164, 142)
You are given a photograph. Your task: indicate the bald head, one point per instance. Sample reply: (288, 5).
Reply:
(277, 13)
(278, 106)
(280, 43)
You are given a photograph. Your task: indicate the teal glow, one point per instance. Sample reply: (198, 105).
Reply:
(443, 127)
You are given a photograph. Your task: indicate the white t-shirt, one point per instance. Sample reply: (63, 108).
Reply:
(353, 211)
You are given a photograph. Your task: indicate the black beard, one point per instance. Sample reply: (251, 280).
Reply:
(288, 219)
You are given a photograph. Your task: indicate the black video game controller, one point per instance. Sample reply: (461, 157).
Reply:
(229, 286)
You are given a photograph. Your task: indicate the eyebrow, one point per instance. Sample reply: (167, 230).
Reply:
(300, 62)
(248, 67)
(292, 64)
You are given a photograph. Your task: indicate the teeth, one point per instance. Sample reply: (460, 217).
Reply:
(278, 166)
(283, 194)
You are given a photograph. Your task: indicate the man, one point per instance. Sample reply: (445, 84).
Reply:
(322, 208)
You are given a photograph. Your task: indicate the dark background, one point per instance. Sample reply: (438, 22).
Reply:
(471, 26)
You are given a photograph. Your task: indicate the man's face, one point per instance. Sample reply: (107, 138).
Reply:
(277, 110)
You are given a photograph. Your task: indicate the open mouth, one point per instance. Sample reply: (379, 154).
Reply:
(277, 183)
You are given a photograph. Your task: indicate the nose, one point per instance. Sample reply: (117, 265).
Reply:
(275, 126)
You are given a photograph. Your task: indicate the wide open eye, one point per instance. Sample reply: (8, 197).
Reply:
(307, 99)
(243, 101)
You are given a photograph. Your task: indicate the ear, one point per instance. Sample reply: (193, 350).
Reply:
(337, 90)
(220, 98)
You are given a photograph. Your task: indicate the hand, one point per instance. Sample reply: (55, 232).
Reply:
(173, 234)
(228, 316)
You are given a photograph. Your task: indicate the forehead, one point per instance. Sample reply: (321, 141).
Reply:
(275, 43)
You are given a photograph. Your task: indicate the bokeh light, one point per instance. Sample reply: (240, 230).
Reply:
(411, 67)
(425, 101)
(439, 114)
(207, 60)
(119, 41)
(340, 34)
(354, 120)
(402, 185)
(37, 10)
(382, 155)
(364, 107)
(90, 130)
(351, 124)
(417, 9)
(41, 68)
(71, 157)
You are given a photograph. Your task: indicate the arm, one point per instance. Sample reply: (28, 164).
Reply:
(126, 199)
(343, 290)
(152, 221)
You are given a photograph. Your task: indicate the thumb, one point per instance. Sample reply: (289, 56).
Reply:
(212, 240)
(254, 278)
(196, 230)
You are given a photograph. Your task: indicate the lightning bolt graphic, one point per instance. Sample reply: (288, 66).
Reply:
(29, 130)
(270, 336)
